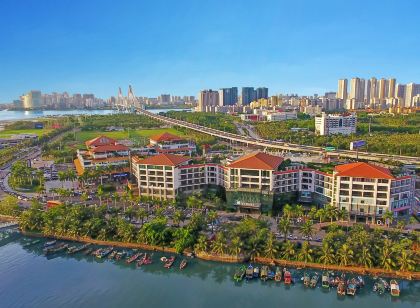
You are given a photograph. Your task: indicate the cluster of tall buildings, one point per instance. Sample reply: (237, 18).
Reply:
(209, 100)
(166, 99)
(378, 93)
(36, 100)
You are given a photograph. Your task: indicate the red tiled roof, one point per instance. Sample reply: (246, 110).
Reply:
(162, 160)
(159, 150)
(109, 148)
(260, 161)
(101, 140)
(363, 170)
(165, 137)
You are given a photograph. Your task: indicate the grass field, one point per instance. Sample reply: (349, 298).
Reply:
(141, 135)
(8, 132)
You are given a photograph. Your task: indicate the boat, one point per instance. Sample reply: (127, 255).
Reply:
(277, 276)
(88, 251)
(76, 249)
(271, 274)
(314, 280)
(256, 272)
(341, 288)
(120, 255)
(55, 249)
(97, 251)
(360, 282)
(249, 273)
(164, 259)
(170, 261)
(50, 243)
(287, 277)
(306, 279)
(31, 243)
(104, 252)
(351, 289)
(133, 258)
(395, 288)
(184, 263)
(112, 255)
(239, 273)
(264, 273)
(325, 280)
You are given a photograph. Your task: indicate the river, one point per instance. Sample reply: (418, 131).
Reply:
(11, 115)
(29, 279)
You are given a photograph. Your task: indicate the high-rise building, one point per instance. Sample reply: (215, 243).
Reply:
(373, 89)
(208, 100)
(391, 87)
(32, 100)
(261, 93)
(228, 96)
(165, 99)
(411, 90)
(248, 95)
(342, 89)
(357, 89)
(382, 89)
(400, 91)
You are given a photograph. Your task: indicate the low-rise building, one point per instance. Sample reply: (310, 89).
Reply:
(169, 143)
(103, 152)
(330, 124)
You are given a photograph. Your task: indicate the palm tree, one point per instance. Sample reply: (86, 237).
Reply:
(307, 229)
(405, 261)
(254, 247)
(100, 193)
(212, 217)
(321, 214)
(365, 257)
(284, 227)
(178, 217)
(388, 217)
(219, 245)
(62, 176)
(298, 210)
(236, 246)
(271, 247)
(287, 210)
(327, 254)
(141, 214)
(305, 253)
(345, 255)
(387, 255)
(312, 213)
(201, 245)
(331, 212)
(289, 252)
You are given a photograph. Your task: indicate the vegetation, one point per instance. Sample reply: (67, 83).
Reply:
(9, 206)
(23, 177)
(220, 121)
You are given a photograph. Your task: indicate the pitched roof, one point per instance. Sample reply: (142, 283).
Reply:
(363, 170)
(109, 148)
(165, 137)
(100, 140)
(163, 160)
(258, 161)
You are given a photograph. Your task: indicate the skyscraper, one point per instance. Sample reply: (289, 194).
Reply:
(400, 91)
(208, 100)
(342, 89)
(32, 100)
(391, 87)
(228, 96)
(373, 89)
(382, 89)
(411, 90)
(261, 93)
(248, 95)
(357, 89)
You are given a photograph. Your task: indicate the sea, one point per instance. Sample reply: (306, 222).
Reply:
(30, 279)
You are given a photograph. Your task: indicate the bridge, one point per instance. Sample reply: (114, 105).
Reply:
(127, 103)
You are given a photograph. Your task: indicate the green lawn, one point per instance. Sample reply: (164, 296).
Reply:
(141, 135)
(8, 132)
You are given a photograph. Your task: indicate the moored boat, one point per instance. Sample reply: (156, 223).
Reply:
(341, 288)
(50, 243)
(271, 274)
(170, 261)
(88, 251)
(249, 273)
(277, 276)
(256, 272)
(306, 279)
(325, 281)
(120, 255)
(31, 243)
(184, 264)
(112, 255)
(314, 280)
(351, 289)
(104, 252)
(133, 258)
(55, 249)
(287, 277)
(264, 273)
(239, 273)
(395, 288)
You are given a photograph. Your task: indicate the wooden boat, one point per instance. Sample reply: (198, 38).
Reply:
(50, 243)
(239, 273)
(287, 277)
(264, 273)
(256, 272)
(169, 262)
(112, 255)
(277, 276)
(325, 280)
(341, 288)
(249, 273)
(306, 280)
(76, 249)
(360, 282)
(314, 280)
(133, 258)
(351, 289)
(120, 255)
(148, 259)
(271, 274)
(104, 252)
(55, 249)
(88, 251)
(395, 288)
(97, 251)
(184, 264)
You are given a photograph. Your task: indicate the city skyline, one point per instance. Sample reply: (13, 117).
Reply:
(62, 49)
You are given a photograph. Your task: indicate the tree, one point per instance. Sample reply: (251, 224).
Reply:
(201, 245)
(219, 245)
(289, 251)
(406, 261)
(307, 229)
(100, 193)
(327, 254)
(305, 253)
(365, 257)
(178, 217)
(9, 206)
(388, 217)
(321, 214)
(271, 247)
(331, 212)
(386, 257)
(236, 246)
(212, 217)
(284, 227)
(345, 255)
(287, 211)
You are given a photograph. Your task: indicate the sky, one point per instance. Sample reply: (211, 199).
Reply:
(183, 46)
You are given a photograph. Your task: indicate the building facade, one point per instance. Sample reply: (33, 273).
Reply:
(208, 100)
(330, 124)
(228, 96)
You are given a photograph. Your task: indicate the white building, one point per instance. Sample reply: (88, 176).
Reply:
(330, 124)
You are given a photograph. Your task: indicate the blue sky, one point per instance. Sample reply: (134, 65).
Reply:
(180, 47)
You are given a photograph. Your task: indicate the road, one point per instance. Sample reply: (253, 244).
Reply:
(279, 145)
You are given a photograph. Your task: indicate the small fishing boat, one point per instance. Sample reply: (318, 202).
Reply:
(271, 274)
(133, 258)
(287, 277)
(277, 276)
(306, 279)
(170, 261)
(256, 272)
(55, 249)
(112, 255)
(360, 282)
(184, 264)
(148, 259)
(164, 259)
(96, 252)
(78, 249)
(341, 288)
(88, 251)
(264, 273)
(314, 280)
(50, 243)
(325, 280)
(351, 289)
(249, 273)
(120, 255)
(104, 252)
(395, 288)
(239, 273)
(379, 286)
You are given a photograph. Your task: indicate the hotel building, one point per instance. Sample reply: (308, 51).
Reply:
(330, 124)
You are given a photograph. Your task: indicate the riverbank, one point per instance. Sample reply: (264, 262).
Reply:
(233, 259)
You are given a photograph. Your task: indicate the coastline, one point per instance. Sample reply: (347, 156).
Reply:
(232, 259)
